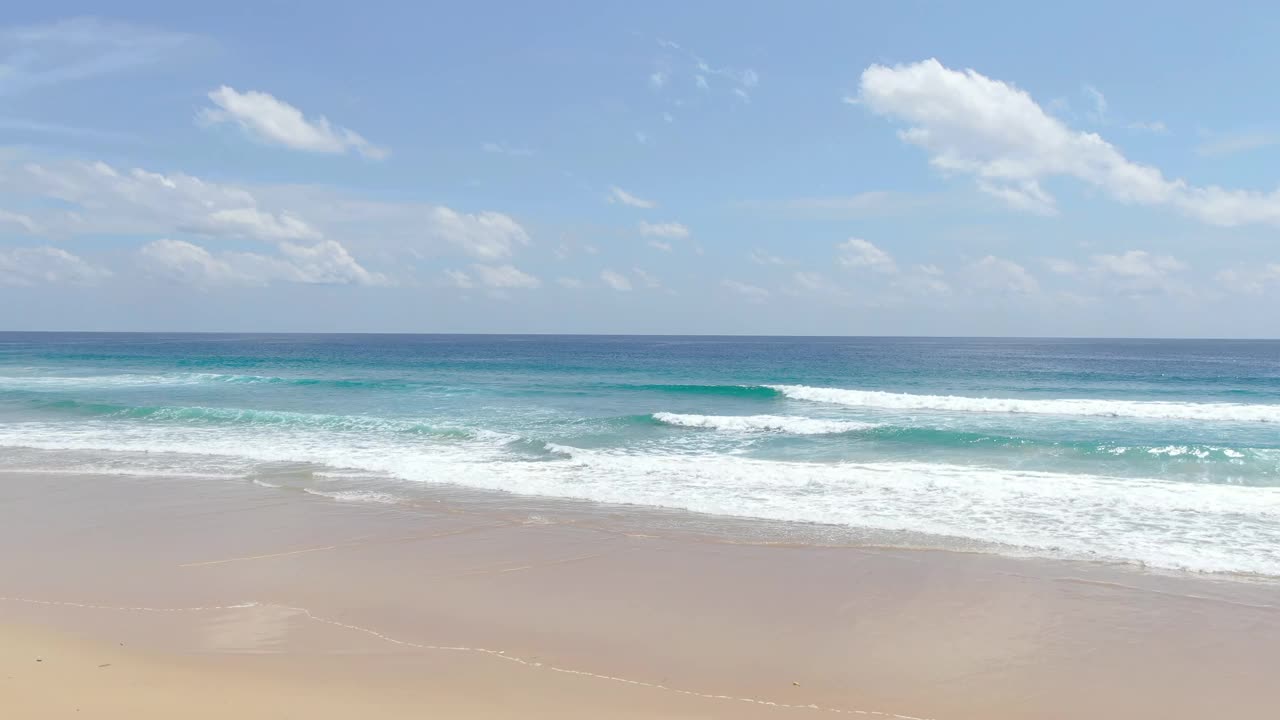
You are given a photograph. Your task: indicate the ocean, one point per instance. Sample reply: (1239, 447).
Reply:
(1162, 454)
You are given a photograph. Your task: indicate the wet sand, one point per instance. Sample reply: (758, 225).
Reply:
(159, 598)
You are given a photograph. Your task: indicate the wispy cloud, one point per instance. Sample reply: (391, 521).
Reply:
(664, 230)
(44, 128)
(752, 293)
(616, 280)
(498, 148)
(683, 64)
(1238, 142)
(276, 122)
(33, 56)
(618, 195)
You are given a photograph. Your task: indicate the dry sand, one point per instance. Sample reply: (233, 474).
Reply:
(170, 598)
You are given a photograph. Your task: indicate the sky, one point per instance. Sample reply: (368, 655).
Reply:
(813, 168)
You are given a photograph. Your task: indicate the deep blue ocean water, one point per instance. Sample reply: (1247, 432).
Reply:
(1164, 453)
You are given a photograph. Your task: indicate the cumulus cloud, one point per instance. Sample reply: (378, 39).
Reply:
(662, 245)
(859, 253)
(324, 263)
(615, 280)
(618, 195)
(666, 230)
(276, 122)
(24, 267)
(995, 132)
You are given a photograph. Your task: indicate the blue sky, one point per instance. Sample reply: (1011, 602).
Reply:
(819, 168)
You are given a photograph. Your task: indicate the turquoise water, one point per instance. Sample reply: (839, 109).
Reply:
(1159, 453)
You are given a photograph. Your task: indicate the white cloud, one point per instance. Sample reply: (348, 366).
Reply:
(79, 199)
(743, 95)
(750, 292)
(1154, 126)
(486, 235)
(681, 61)
(642, 137)
(191, 264)
(662, 245)
(248, 222)
(1004, 276)
(1138, 271)
(1232, 143)
(859, 253)
(666, 230)
(46, 265)
(617, 281)
(19, 220)
(1137, 264)
(1250, 280)
(504, 276)
(973, 125)
(668, 117)
(569, 283)
(277, 122)
(761, 257)
(459, 279)
(324, 263)
(110, 201)
(618, 195)
(504, 149)
(923, 280)
(1061, 267)
(1099, 113)
(646, 279)
(815, 283)
(32, 56)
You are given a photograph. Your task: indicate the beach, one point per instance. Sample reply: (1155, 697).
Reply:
(150, 597)
(515, 526)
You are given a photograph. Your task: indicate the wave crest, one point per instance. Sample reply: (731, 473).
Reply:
(1086, 407)
(763, 423)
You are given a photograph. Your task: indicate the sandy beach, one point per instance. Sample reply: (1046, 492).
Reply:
(154, 597)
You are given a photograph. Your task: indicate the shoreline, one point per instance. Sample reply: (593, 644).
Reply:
(596, 619)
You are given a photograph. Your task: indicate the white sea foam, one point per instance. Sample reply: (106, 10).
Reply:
(1144, 409)
(1165, 524)
(57, 382)
(762, 423)
(365, 496)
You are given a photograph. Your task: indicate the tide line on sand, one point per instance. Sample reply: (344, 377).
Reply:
(489, 652)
